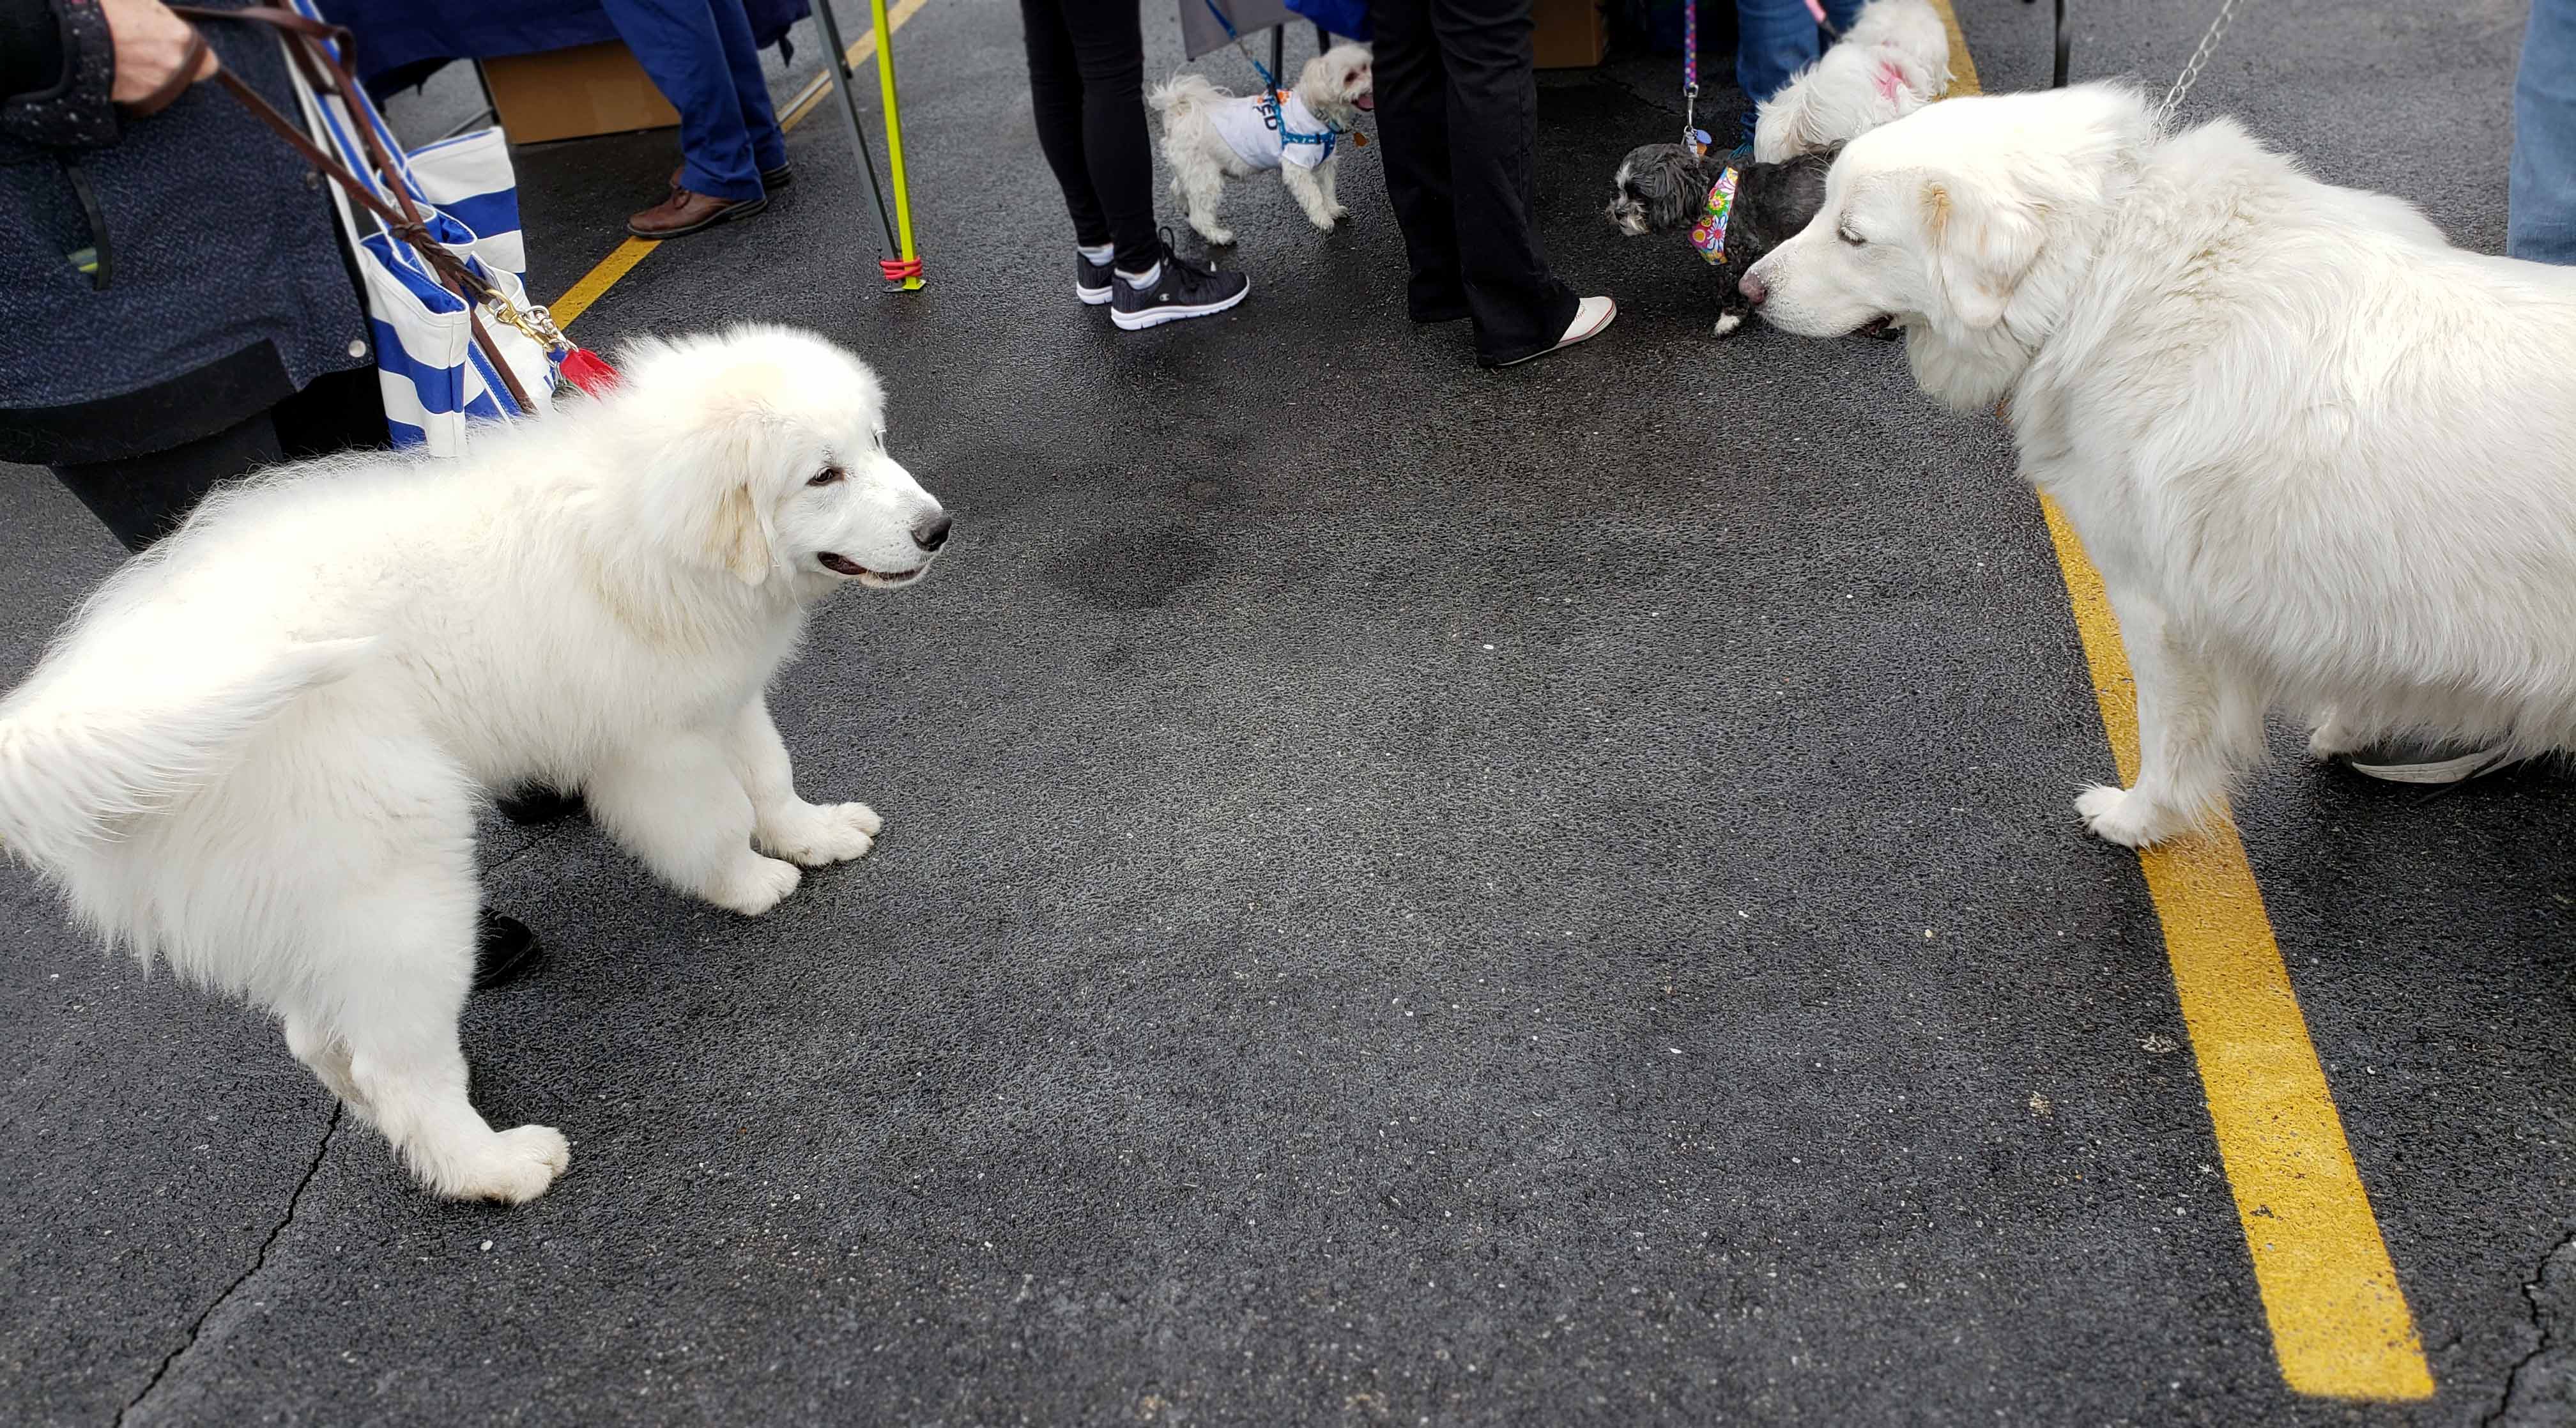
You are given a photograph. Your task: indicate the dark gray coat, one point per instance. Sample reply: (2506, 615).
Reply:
(225, 287)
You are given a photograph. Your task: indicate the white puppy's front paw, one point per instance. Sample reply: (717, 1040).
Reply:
(1213, 232)
(1337, 211)
(2331, 738)
(816, 836)
(1321, 220)
(513, 1167)
(754, 885)
(1727, 323)
(2119, 816)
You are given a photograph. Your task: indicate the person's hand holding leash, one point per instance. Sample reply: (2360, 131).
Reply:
(158, 55)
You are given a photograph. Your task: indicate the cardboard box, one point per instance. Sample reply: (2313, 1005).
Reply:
(1570, 34)
(574, 93)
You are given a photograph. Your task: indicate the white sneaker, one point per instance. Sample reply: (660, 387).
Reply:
(2424, 761)
(1590, 316)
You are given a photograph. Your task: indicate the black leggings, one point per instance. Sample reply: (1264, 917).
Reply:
(1087, 84)
(143, 498)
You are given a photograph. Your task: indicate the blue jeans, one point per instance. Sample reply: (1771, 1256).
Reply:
(2540, 217)
(701, 56)
(1775, 39)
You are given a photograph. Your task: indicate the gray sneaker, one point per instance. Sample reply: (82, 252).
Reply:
(2424, 761)
(1091, 281)
(1181, 291)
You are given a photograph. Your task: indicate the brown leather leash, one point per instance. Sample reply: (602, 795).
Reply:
(307, 45)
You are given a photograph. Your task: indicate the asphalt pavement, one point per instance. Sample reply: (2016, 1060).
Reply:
(1411, 894)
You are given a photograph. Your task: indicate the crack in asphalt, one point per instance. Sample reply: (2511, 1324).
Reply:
(2542, 1318)
(258, 1262)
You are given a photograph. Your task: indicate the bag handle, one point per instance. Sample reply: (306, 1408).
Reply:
(305, 45)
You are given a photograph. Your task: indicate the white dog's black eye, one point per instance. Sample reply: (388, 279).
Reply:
(1848, 236)
(826, 476)
(880, 438)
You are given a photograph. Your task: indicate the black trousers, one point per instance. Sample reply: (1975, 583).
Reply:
(1087, 85)
(1457, 116)
(143, 498)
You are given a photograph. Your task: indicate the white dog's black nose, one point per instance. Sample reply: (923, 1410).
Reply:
(932, 533)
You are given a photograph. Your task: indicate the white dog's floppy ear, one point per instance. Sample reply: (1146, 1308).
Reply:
(738, 533)
(1981, 248)
(709, 507)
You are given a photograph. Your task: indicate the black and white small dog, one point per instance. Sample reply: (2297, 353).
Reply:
(1664, 188)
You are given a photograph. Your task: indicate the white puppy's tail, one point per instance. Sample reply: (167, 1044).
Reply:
(1180, 94)
(75, 756)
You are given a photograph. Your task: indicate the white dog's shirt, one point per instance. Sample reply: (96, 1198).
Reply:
(1247, 128)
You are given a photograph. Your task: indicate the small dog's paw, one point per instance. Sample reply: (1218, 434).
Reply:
(1338, 212)
(2331, 738)
(1321, 220)
(754, 885)
(1727, 323)
(817, 836)
(1214, 234)
(513, 1167)
(2118, 815)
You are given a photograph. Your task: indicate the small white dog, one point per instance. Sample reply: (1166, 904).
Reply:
(2323, 459)
(1893, 60)
(1210, 136)
(257, 751)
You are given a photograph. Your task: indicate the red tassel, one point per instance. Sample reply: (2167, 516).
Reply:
(589, 371)
(898, 270)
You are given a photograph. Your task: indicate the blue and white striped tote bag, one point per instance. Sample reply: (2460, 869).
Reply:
(437, 380)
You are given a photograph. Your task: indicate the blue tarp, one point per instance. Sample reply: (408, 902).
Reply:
(401, 41)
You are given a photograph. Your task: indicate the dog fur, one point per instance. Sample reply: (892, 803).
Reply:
(2324, 460)
(1663, 188)
(1893, 60)
(1337, 85)
(257, 752)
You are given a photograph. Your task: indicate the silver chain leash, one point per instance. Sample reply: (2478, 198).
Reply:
(2199, 60)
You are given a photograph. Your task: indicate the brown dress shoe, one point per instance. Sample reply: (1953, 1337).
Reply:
(685, 212)
(771, 179)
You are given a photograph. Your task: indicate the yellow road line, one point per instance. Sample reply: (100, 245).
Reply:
(599, 279)
(2339, 1321)
(2340, 1326)
(616, 265)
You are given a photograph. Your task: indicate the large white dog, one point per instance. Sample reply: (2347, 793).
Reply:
(2323, 459)
(257, 752)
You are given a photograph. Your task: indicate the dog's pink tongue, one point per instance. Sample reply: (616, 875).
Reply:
(1366, 101)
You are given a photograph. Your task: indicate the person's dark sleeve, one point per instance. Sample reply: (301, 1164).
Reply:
(57, 67)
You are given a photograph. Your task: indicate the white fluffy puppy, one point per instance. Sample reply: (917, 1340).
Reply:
(1893, 60)
(256, 753)
(2323, 459)
(1210, 136)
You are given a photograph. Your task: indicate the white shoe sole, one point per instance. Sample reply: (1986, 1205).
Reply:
(1157, 316)
(1092, 297)
(2430, 772)
(1609, 315)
